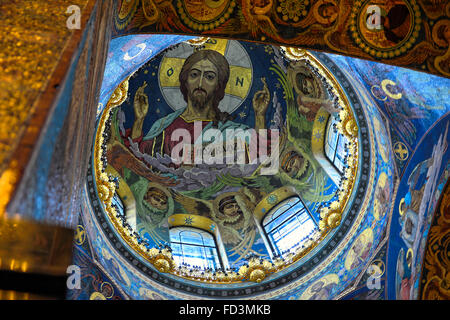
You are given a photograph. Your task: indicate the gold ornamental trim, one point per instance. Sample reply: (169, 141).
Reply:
(216, 19)
(272, 200)
(194, 221)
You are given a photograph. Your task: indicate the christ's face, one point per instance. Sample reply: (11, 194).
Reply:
(202, 82)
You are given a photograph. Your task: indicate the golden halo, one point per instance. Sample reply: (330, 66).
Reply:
(97, 296)
(388, 52)
(302, 67)
(101, 288)
(381, 266)
(409, 253)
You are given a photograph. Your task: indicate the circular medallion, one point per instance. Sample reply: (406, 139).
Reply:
(272, 199)
(378, 268)
(401, 151)
(205, 15)
(80, 235)
(385, 30)
(231, 209)
(293, 10)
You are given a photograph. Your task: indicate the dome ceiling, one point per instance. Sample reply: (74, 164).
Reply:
(140, 198)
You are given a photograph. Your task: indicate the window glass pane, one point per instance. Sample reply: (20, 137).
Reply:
(335, 145)
(329, 151)
(290, 229)
(285, 216)
(340, 149)
(194, 247)
(339, 165)
(191, 237)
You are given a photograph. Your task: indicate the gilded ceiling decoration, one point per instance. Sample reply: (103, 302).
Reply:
(408, 33)
(30, 50)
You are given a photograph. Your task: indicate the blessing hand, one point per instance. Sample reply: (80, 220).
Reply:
(140, 102)
(261, 99)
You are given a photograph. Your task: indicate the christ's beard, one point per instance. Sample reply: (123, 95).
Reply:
(200, 99)
(199, 102)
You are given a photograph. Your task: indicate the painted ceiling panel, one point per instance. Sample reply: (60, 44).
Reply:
(408, 33)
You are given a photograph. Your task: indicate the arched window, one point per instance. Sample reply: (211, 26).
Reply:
(194, 247)
(288, 226)
(335, 145)
(328, 145)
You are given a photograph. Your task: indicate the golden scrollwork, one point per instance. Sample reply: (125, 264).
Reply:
(257, 269)
(120, 94)
(293, 53)
(441, 36)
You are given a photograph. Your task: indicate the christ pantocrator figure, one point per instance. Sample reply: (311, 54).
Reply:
(203, 79)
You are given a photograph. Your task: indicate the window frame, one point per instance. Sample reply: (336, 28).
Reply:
(304, 210)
